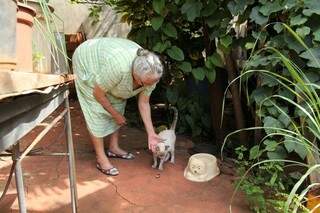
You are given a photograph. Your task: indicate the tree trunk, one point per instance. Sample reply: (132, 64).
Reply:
(236, 98)
(257, 121)
(216, 99)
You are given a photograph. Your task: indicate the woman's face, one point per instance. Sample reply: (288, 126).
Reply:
(146, 80)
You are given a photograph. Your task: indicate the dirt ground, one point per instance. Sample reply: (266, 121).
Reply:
(138, 188)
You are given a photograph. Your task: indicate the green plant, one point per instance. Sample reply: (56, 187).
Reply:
(300, 132)
(37, 56)
(264, 183)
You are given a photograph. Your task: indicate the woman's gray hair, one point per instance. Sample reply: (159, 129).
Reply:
(147, 63)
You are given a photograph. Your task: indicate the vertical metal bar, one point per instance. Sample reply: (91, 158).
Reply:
(19, 179)
(72, 169)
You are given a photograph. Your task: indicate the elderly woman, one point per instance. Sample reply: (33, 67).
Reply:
(109, 71)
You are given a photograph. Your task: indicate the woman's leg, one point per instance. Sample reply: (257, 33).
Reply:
(102, 159)
(114, 144)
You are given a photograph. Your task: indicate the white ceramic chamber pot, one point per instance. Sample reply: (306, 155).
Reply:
(201, 167)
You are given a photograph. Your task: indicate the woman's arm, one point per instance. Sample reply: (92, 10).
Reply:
(145, 112)
(100, 96)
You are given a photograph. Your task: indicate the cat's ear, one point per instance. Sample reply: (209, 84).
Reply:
(166, 147)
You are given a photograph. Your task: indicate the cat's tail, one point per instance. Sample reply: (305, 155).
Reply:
(175, 117)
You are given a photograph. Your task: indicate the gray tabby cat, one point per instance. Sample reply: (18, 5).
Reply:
(165, 149)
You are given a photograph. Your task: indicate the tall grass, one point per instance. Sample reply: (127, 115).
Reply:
(48, 31)
(305, 131)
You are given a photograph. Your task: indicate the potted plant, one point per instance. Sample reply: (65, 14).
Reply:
(40, 33)
(25, 20)
(8, 31)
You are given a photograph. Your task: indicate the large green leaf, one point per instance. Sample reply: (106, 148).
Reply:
(169, 30)
(289, 4)
(312, 7)
(175, 53)
(226, 40)
(257, 17)
(294, 145)
(279, 153)
(254, 152)
(313, 55)
(273, 111)
(209, 9)
(198, 73)
(192, 9)
(257, 60)
(259, 94)
(214, 61)
(156, 22)
(271, 122)
(267, 80)
(278, 27)
(185, 67)
(211, 75)
(286, 93)
(271, 145)
(298, 20)
(212, 21)
(316, 35)
(289, 144)
(158, 5)
(293, 44)
(285, 120)
(303, 31)
(270, 7)
(161, 46)
(237, 7)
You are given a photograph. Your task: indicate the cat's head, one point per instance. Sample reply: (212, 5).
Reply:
(161, 149)
(197, 167)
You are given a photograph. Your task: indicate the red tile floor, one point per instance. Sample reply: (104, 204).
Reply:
(138, 188)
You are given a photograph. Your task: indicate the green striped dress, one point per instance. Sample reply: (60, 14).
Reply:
(106, 62)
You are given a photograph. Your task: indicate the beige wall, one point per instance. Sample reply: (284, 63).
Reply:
(71, 14)
(108, 26)
(75, 16)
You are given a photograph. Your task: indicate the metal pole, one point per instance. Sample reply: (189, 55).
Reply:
(19, 179)
(72, 169)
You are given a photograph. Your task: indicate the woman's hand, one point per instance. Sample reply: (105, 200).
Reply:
(120, 119)
(153, 139)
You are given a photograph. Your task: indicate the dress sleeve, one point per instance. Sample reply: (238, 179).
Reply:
(148, 89)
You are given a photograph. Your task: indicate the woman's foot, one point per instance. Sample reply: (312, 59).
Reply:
(117, 150)
(127, 156)
(104, 163)
(112, 171)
